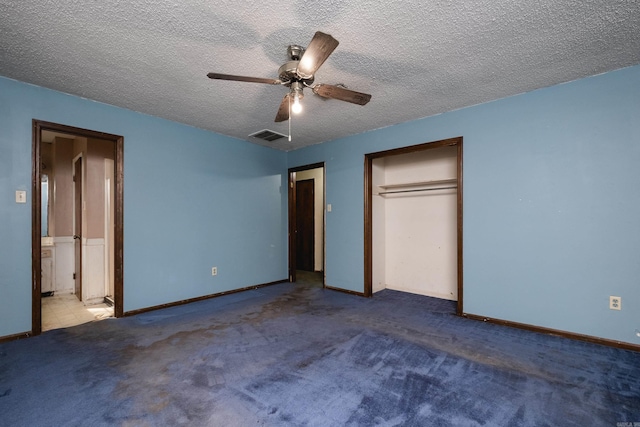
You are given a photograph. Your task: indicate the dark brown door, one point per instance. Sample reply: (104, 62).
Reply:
(305, 225)
(77, 236)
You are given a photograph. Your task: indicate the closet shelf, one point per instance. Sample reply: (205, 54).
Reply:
(410, 187)
(418, 184)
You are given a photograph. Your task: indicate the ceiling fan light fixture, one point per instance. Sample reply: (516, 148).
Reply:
(296, 107)
(297, 95)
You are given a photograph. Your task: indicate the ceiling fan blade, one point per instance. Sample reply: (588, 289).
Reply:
(337, 92)
(321, 46)
(219, 76)
(283, 111)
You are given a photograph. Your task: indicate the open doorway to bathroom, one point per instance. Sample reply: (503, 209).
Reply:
(77, 226)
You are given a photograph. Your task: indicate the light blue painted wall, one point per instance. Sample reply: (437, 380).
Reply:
(551, 203)
(193, 200)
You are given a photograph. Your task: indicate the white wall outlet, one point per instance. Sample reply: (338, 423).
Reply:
(615, 303)
(214, 271)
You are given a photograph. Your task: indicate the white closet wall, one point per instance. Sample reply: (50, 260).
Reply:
(378, 223)
(415, 232)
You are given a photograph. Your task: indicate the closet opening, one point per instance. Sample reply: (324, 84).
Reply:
(413, 220)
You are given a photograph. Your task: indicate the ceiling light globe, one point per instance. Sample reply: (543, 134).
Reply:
(296, 107)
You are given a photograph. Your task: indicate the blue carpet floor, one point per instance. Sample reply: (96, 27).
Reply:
(296, 355)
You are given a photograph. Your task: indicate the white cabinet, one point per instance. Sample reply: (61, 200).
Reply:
(46, 257)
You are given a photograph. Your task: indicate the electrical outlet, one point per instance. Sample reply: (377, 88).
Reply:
(214, 271)
(615, 303)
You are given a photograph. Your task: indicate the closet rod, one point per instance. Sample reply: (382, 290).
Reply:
(413, 191)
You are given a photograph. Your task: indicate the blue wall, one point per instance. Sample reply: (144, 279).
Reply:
(193, 200)
(551, 203)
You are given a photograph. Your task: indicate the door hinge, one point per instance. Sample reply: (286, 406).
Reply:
(74, 276)
(291, 183)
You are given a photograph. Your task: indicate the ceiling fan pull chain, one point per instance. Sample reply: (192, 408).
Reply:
(289, 118)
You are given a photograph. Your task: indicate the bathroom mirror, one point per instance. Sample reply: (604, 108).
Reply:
(44, 204)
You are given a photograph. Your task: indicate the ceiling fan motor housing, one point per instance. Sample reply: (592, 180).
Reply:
(288, 73)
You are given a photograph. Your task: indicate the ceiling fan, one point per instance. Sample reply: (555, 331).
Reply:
(298, 73)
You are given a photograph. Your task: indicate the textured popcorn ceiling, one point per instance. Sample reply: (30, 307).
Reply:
(415, 57)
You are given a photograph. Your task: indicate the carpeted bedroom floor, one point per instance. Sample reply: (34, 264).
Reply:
(299, 355)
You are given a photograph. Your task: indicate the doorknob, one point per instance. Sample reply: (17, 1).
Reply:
(75, 236)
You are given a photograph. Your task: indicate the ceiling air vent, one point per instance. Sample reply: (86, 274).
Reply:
(267, 135)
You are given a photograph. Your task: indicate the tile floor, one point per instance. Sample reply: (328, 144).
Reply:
(63, 311)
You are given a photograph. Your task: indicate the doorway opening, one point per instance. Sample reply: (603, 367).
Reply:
(77, 232)
(307, 224)
(413, 220)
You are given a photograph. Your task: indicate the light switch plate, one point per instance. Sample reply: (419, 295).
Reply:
(21, 196)
(329, 207)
